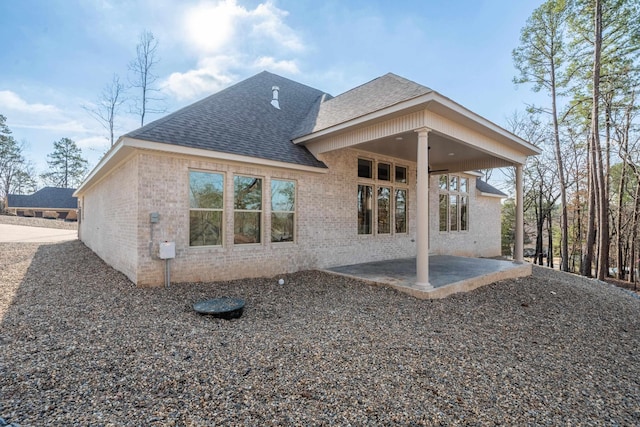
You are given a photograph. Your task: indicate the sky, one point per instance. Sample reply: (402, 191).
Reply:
(59, 55)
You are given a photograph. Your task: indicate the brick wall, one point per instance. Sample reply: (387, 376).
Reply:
(326, 221)
(109, 222)
(483, 237)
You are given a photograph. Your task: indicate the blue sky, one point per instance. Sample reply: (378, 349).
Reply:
(58, 55)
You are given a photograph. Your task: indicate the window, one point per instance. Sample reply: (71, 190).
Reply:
(464, 220)
(365, 196)
(389, 209)
(247, 205)
(464, 185)
(384, 210)
(443, 182)
(365, 168)
(401, 211)
(283, 196)
(443, 210)
(453, 183)
(205, 208)
(384, 171)
(453, 203)
(453, 213)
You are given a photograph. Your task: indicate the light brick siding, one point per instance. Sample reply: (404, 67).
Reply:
(116, 221)
(483, 237)
(109, 218)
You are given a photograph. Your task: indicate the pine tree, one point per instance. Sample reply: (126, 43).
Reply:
(67, 167)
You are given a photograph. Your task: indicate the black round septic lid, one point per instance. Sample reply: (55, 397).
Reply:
(225, 307)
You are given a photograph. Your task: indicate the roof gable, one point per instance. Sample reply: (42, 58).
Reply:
(375, 95)
(241, 120)
(487, 188)
(47, 197)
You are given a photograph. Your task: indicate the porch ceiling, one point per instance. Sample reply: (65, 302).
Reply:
(445, 153)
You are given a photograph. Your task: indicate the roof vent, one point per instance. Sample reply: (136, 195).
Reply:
(274, 101)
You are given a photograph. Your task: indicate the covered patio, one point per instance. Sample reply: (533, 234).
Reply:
(447, 274)
(394, 117)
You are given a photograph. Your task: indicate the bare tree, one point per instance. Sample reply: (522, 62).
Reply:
(106, 109)
(143, 67)
(14, 168)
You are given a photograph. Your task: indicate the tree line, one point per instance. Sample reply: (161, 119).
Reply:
(583, 193)
(66, 165)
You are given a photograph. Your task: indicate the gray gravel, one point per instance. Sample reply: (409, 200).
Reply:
(80, 345)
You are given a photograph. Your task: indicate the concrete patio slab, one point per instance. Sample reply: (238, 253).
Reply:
(447, 274)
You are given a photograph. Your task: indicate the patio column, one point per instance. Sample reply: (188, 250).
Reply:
(422, 210)
(518, 257)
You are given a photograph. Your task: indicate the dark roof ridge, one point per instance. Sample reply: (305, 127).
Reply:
(180, 111)
(241, 120)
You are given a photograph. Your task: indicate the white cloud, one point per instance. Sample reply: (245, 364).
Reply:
(211, 76)
(11, 101)
(269, 63)
(269, 22)
(230, 41)
(68, 126)
(99, 143)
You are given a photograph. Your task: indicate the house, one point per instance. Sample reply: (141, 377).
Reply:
(271, 176)
(48, 202)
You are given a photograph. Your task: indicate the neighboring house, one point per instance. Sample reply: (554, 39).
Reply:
(271, 176)
(48, 202)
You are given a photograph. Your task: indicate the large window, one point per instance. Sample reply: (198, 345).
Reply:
(247, 205)
(453, 203)
(389, 208)
(206, 196)
(283, 206)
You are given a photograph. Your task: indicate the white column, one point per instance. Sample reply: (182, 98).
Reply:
(422, 210)
(518, 257)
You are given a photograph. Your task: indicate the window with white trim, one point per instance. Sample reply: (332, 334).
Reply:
(365, 213)
(389, 208)
(453, 203)
(206, 202)
(247, 209)
(283, 210)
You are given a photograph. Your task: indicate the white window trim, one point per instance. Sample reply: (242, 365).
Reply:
(222, 210)
(294, 212)
(261, 211)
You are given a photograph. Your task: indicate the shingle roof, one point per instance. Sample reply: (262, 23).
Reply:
(47, 197)
(488, 188)
(375, 95)
(241, 120)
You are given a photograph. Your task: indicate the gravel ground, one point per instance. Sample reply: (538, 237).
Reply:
(80, 345)
(38, 222)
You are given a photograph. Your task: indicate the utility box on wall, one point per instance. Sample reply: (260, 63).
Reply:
(167, 250)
